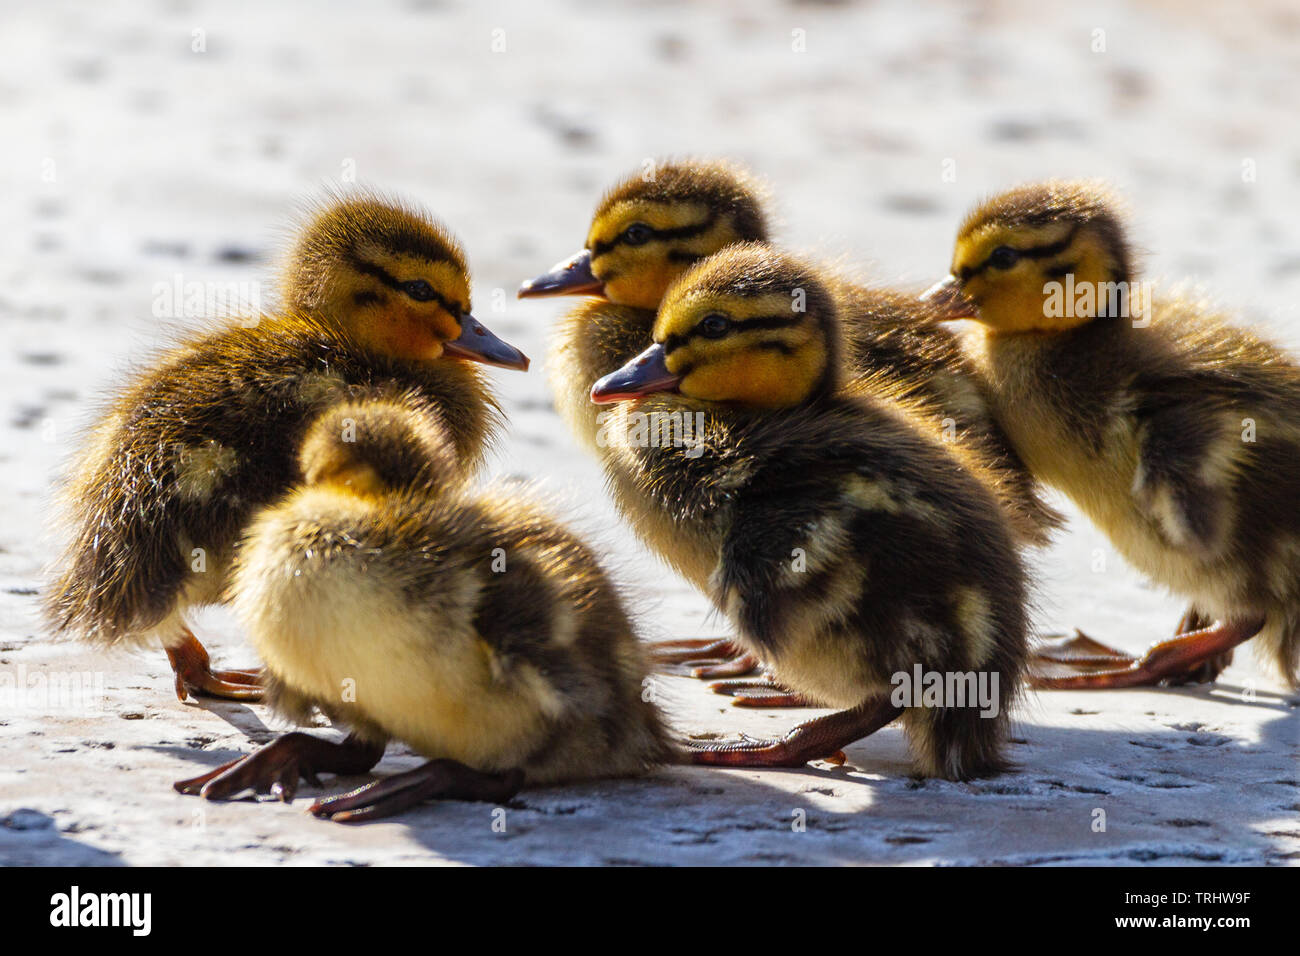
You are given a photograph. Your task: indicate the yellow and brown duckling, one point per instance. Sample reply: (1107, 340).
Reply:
(376, 303)
(1174, 430)
(845, 543)
(474, 628)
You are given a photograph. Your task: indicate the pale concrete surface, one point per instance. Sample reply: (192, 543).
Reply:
(130, 160)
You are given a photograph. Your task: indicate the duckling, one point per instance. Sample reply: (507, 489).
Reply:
(651, 227)
(846, 544)
(474, 628)
(1176, 431)
(376, 302)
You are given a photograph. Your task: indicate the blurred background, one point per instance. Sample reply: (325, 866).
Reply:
(152, 143)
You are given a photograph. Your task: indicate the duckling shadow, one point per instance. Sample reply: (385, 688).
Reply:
(1177, 792)
(30, 838)
(239, 716)
(1236, 694)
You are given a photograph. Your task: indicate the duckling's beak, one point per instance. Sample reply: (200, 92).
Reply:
(644, 375)
(573, 276)
(946, 296)
(477, 344)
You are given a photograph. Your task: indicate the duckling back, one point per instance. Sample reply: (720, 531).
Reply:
(473, 627)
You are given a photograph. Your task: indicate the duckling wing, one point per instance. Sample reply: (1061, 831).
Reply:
(1212, 442)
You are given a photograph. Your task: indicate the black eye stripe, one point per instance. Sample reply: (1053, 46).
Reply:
(680, 232)
(453, 308)
(387, 278)
(673, 342)
(1033, 252)
(777, 321)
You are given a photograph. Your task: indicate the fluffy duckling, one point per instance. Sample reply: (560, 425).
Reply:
(376, 303)
(1175, 431)
(651, 227)
(846, 544)
(474, 628)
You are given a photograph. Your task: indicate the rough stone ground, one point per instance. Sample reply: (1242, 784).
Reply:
(131, 160)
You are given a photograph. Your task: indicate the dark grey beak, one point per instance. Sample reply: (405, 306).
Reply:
(644, 375)
(477, 344)
(573, 276)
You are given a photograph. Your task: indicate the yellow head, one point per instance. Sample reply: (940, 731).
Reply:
(652, 226)
(748, 326)
(393, 278)
(1024, 259)
(374, 447)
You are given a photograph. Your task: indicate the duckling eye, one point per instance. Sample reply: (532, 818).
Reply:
(714, 326)
(418, 289)
(637, 234)
(1003, 257)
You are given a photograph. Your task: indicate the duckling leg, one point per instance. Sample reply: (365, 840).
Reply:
(737, 666)
(194, 674)
(815, 740)
(1167, 661)
(695, 649)
(1086, 655)
(1083, 652)
(1209, 670)
(760, 693)
(277, 767)
(708, 658)
(436, 780)
(1080, 650)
